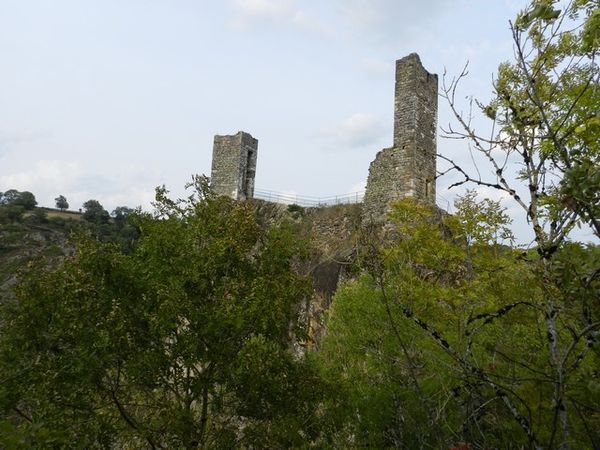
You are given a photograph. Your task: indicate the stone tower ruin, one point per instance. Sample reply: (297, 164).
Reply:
(408, 168)
(234, 165)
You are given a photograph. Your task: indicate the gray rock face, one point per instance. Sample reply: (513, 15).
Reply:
(407, 169)
(234, 165)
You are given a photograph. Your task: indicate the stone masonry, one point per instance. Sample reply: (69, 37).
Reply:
(408, 169)
(234, 165)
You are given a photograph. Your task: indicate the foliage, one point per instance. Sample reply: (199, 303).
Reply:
(482, 222)
(13, 204)
(544, 117)
(296, 210)
(25, 199)
(449, 337)
(9, 197)
(182, 343)
(13, 197)
(11, 213)
(439, 342)
(61, 202)
(39, 215)
(95, 213)
(120, 215)
(361, 349)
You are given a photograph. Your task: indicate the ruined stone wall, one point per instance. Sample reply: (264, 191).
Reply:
(234, 165)
(249, 154)
(415, 104)
(408, 168)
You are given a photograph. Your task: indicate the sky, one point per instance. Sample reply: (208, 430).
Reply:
(107, 99)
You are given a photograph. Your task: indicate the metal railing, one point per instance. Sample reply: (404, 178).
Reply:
(287, 198)
(444, 203)
(307, 201)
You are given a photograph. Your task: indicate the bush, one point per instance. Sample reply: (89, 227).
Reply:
(38, 215)
(296, 210)
(11, 213)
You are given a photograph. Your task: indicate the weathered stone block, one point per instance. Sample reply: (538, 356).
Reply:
(234, 165)
(408, 169)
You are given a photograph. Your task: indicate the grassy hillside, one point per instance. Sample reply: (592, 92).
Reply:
(65, 215)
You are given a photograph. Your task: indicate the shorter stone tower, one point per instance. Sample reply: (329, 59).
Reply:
(408, 168)
(234, 165)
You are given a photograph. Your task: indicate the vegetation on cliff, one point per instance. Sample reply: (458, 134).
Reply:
(476, 344)
(181, 343)
(443, 339)
(447, 336)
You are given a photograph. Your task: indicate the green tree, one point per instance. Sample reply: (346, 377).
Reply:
(61, 202)
(182, 343)
(407, 366)
(25, 199)
(439, 341)
(544, 114)
(9, 196)
(14, 204)
(95, 213)
(120, 214)
(13, 197)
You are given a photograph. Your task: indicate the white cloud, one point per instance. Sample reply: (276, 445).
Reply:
(358, 130)
(388, 18)
(48, 178)
(364, 19)
(59, 174)
(378, 68)
(250, 14)
(362, 13)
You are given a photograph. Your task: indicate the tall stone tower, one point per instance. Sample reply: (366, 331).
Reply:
(408, 168)
(234, 165)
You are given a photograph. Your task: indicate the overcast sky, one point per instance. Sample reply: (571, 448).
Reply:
(107, 99)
